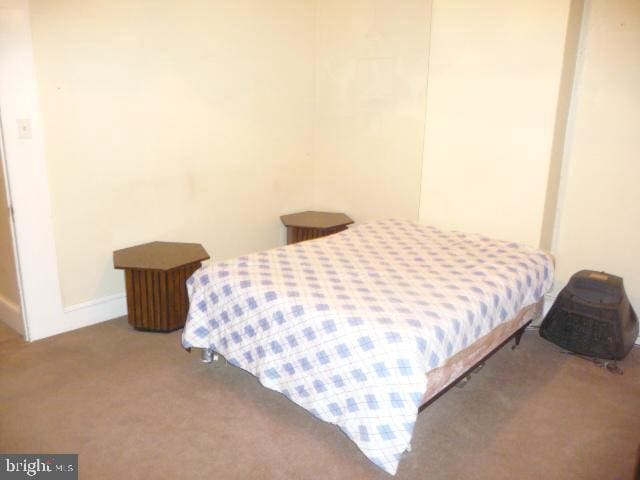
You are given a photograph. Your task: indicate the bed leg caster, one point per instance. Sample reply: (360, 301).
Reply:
(207, 355)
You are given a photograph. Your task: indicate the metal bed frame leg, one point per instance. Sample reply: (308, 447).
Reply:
(462, 382)
(518, 336)
(207, 355)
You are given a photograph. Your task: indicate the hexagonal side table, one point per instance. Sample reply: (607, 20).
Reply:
(155, 277)
(309, 225)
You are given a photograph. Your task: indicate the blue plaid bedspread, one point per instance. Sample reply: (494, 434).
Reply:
(348, 325)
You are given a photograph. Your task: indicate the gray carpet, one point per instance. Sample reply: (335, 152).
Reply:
(135, 405)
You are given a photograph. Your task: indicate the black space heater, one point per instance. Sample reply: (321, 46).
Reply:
(592, 316)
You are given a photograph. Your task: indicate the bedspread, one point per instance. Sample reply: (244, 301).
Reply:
(348, 325)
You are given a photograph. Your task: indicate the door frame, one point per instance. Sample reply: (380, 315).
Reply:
(26, 174)
(14, 246)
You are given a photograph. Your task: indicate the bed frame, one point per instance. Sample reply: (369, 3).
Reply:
(461, 379)
(457, 368)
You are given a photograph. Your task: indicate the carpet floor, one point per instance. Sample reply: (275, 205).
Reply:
(135, 405)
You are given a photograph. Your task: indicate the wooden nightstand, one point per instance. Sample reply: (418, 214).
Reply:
(155, 276)
(308, 225)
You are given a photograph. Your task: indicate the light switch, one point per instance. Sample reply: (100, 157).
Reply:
(24, 128)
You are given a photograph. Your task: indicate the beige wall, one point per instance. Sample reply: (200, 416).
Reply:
(521, 145)
(599, 207)
(9, 292)
(204, 121)
(494, 76)
(185, 121)
(370, 99)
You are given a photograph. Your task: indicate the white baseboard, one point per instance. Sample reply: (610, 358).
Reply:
(10, 314)
(114, 306)
(85, 314)
(549, 298)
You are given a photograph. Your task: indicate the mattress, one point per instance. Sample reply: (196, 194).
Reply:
(349, 325)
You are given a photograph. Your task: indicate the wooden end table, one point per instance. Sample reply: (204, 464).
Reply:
(155, 276)
(308, 225)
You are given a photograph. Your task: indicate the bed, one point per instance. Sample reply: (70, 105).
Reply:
(364, 327)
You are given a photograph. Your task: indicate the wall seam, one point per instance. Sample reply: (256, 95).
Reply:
(426, 104)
